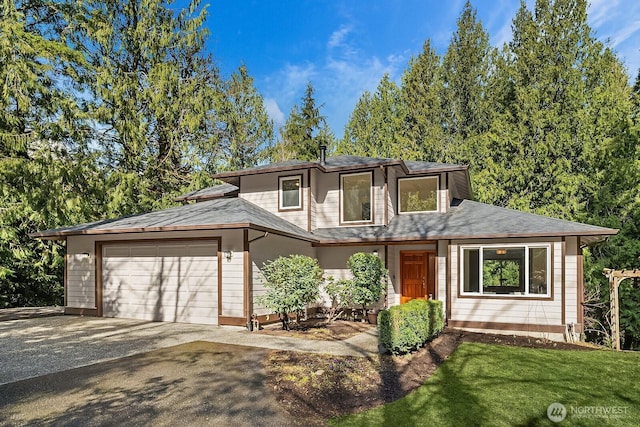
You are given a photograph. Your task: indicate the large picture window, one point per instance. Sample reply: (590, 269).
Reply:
(356, 197)
(506, 270)
(418, 194)
(290, 192)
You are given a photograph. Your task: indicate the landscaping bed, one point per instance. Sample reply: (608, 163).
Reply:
(318, 387)
(318, 329)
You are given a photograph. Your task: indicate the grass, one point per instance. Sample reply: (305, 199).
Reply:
(483, 384)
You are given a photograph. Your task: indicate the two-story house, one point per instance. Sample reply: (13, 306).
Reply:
(494, 269)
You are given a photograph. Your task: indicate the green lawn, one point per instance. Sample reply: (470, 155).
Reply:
(495, 385)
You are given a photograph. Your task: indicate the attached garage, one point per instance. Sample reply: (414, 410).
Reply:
(175, 281)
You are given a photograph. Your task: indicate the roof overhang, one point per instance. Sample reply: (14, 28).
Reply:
(62, 235)
(231, 176)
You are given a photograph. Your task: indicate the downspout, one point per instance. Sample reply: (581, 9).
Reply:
(248, 271)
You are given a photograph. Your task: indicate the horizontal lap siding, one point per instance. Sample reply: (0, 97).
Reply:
(268, 249)
(328, 200)
(393, 191)
(80, 286)
(571, 280)
(520, 310)
(81, 269)
(333, 260)
(262, 190)
(441, 278)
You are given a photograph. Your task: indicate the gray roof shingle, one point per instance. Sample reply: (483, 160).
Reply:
(212, 214)
(465, 219)
(342, 163)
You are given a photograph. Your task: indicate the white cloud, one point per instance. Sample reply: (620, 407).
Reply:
(338, 37)
(624, 33)
(601, 11)
(274, 112)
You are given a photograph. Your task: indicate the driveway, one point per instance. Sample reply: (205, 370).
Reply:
(34, 347)
(88, 371)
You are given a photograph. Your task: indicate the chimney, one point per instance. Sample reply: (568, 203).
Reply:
(323, 154)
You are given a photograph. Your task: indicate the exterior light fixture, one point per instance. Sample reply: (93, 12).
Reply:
(375, 252)
(228, 255)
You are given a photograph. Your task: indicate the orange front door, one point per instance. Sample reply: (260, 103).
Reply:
(417, 272)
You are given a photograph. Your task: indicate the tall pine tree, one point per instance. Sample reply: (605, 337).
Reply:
(247, 130)
(299, 135)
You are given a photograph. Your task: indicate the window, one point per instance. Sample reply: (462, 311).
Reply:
(290, 189)
(356, 197)
(506, 270)
(418, 194)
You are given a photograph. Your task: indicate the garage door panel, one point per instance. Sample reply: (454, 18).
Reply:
(165, 282)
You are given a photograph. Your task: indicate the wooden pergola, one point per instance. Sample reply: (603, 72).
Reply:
(615, 278)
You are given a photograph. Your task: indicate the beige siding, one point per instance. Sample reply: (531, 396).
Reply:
(378, 197)
(328, 200)
(571, 280)
(81, 286)
(393, 287)
(81, 291)
(392, 190)
(334, 261)
(268, 249)
(314, 197)
(441, 278)
(443, 195)
(233, 274)
(262, 190)
(520, 310)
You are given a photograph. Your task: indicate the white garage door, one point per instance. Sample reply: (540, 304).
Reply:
(174, 282)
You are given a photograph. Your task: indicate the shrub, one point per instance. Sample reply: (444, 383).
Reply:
(368, 283)
(340, 294)
(407, 327)
(292, 283)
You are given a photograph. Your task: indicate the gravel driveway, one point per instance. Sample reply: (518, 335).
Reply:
(85, 371)
(34, 347)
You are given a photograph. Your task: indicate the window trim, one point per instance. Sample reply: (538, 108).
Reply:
(400, 179)
(526, 295)
(341, 199)
(300, 205)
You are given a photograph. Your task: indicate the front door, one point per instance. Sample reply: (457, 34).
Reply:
(417, 272)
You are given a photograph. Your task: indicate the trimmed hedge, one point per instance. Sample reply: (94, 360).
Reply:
(407, 327)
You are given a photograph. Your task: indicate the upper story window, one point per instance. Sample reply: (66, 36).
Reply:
(418, 194)
(356, 197)
(290, 192)
(506, 270)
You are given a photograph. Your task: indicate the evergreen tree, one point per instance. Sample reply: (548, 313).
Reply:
(465, 74)
(422, 136)
(247, 131)
(376, 123)
(154, 96)
(540, 145)
(47, 178)
(298, 136)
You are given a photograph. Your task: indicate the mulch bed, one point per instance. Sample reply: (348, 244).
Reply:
(317, 387)
(318, 329)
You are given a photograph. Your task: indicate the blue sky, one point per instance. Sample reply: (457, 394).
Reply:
(344, 47)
